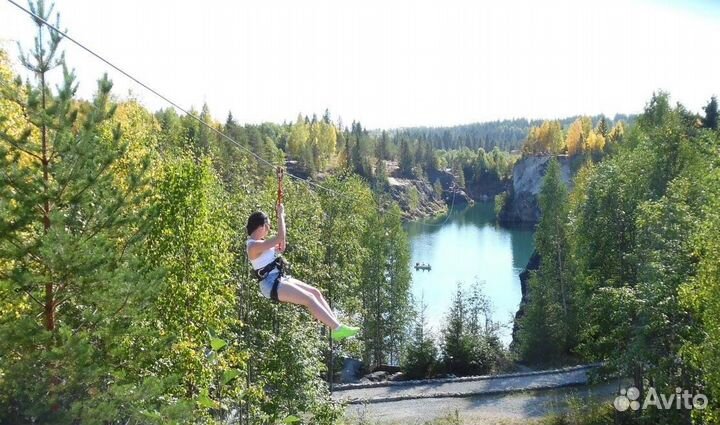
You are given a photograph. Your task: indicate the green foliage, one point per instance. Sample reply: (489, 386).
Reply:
(507, 135)
(711, 114)
(312, 144)
(470, 344)
(380, 181)
(500, 203)
(639, 223)
(413, 198)
(405, 161)
(72, 218)
(548, 330)
(153, 317)
(480, 171)
(385, 287)
(421, 356)
(700, 293)
(582, 412)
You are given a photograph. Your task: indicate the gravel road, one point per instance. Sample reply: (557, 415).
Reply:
(464, 386)
(513, 398)
(513, 408)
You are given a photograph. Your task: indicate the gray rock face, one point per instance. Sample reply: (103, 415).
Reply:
(528, 173)
(375, 377)
(427, 203)
(532, 265)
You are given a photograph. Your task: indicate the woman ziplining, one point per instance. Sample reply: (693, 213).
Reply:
(268, 268)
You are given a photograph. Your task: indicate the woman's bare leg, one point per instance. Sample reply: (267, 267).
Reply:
(316, 292)
(290, 292)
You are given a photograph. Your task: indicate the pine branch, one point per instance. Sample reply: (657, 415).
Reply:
(76, 197)
(29, 294)
(67, 181)
(21, 105)
(119, 309)
(57, 303)
(53, 150)
(61, 287)
(110, 217)
(14, 185)
(26, 251)
(9, 138)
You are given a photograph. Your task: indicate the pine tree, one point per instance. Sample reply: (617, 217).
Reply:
(204, 135)
(385, 288)
(382, 147)
(420, 359)
(711, 114)
(347, 151)
(547, 330)
(431, 160)
(456, 350)
(602, 128)
(405, 162)
(381, 176)
(460, 175)
(71, 200)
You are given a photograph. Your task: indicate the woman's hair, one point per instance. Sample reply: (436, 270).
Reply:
(256, 219)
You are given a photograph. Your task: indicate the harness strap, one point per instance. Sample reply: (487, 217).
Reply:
(278, 263)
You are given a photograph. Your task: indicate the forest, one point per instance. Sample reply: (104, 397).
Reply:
(628, 271)
(126, 294)
(125, 291)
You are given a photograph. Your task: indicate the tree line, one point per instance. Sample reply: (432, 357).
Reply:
(468, 342)
(628, 269)
(580, 138)
(508, 135)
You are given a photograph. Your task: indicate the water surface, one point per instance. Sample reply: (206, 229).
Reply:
(467, 247)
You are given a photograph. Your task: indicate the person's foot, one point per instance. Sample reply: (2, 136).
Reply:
(343, 332)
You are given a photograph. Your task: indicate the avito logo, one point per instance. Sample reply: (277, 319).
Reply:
(681, 399)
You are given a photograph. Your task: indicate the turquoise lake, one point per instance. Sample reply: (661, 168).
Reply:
(469, 246)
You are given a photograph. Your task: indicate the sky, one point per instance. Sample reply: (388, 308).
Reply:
(390, 64)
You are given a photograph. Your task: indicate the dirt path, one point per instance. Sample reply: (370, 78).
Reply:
(461, 387)
(492, 399)
(513, 408)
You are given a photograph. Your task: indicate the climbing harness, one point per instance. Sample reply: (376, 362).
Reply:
(278, 264)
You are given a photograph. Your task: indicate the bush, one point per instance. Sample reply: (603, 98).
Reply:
(500, 202)
(420, 359)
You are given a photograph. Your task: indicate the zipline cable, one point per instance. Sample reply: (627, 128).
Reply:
(38, 18)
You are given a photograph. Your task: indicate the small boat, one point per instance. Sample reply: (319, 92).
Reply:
(422, 266)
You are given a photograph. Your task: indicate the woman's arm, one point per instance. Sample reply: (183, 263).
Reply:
(255, 248)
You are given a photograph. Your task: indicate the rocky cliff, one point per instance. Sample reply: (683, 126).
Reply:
(418, 199)
(532, 265)
(521, 205)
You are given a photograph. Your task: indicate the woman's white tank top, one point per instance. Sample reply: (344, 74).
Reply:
(264, 259)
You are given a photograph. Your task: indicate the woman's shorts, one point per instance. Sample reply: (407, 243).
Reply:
(267, 283)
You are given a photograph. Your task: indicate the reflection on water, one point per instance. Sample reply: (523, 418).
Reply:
(469, 247)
